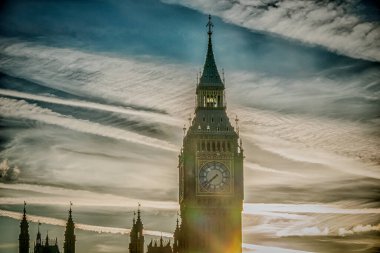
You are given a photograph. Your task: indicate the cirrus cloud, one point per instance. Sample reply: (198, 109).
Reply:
(330, 24)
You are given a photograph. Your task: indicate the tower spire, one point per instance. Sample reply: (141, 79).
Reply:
(38, 239)
(177, 237)
(210, 75)
(136, 244)
(24, 233)
(69, 244)
(47, 239)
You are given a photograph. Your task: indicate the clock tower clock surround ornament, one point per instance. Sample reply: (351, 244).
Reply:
(211, 170)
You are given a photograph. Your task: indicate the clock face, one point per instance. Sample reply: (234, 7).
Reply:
(214, 177)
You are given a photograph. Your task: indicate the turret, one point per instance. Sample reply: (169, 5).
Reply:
(47, 239)
(38, 239)
(177, 245)
(136, 244)
(70, 238)
(23, 238)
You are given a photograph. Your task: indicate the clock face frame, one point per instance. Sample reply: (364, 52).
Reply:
(214, 177)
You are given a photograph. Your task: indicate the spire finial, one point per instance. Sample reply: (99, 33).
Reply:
(70, 210)
(210, 25)
(138, 211)
(24, 208)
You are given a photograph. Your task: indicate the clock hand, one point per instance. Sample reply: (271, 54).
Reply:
(212, 179)
(207, 183)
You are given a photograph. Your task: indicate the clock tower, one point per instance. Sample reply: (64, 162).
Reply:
(211, 170)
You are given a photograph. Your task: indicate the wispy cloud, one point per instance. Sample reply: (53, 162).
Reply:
(163, 86)
(359, 229)
(306, 208)
(42, 195)
(21, 109)
(267, 249)
(258, 167)
(140, 114)
(147, 82)
(340, 144)
(284, 220)
(331, 24)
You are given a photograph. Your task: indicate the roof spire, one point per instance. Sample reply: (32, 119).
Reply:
(24, 233)
(38, 239)
(210, 75)
(47, 239)
(69, 242)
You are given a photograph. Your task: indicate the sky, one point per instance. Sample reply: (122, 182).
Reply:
(94, 96)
